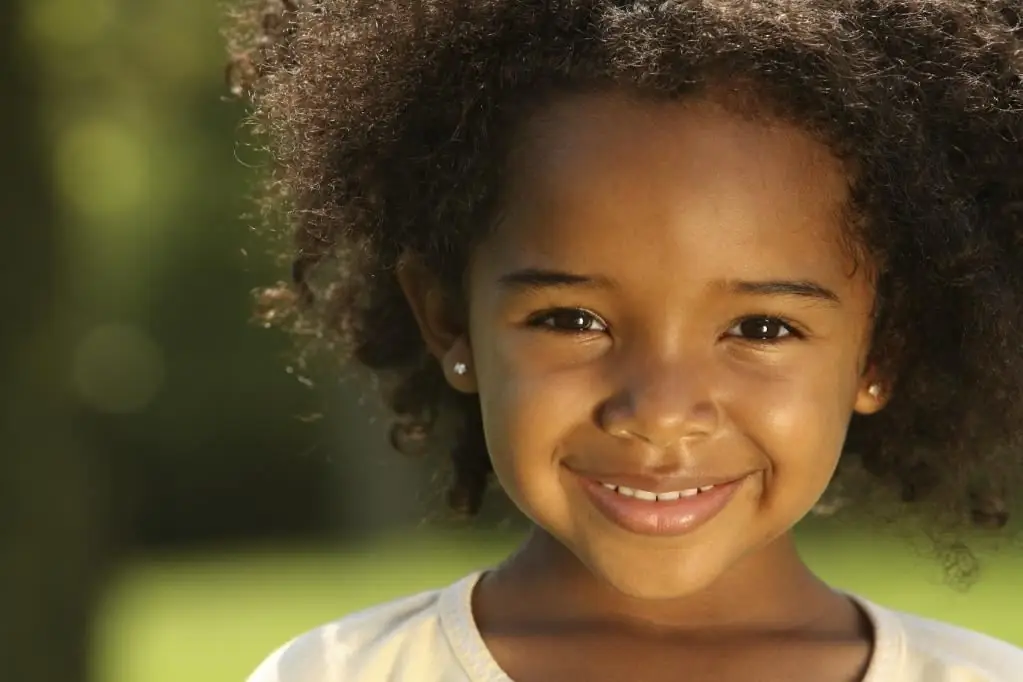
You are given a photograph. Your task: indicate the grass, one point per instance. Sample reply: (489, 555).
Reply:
(212, 618)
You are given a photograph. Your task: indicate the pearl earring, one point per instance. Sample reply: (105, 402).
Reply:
(460, 368)
(874, 390)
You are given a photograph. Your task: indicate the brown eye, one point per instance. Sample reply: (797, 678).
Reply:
(762, 328)
(568, 320)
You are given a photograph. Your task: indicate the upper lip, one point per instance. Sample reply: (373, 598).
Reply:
(660, 483)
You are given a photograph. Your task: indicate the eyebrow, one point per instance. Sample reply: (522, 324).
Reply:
(540, 278)
(800, 288)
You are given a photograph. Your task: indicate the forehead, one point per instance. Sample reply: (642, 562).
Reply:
(606, 180)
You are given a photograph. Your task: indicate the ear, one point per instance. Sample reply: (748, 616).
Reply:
(445, 336)
(872, 394)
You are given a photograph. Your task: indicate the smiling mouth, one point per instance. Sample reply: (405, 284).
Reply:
(654, 506)
(649, 496)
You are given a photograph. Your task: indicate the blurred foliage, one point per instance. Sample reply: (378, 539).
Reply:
(189, 403)
(54, 549)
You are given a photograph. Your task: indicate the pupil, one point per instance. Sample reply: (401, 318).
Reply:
(761, 328)
(574, 320)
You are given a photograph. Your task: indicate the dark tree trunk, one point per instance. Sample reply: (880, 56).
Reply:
(51, 553)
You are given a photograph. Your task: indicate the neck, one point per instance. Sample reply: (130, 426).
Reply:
(769, 590)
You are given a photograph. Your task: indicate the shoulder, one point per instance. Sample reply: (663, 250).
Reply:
(933, 650)
(375, 644)
(959, 647)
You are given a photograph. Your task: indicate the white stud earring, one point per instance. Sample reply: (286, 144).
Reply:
(460, 368)
(874, 390)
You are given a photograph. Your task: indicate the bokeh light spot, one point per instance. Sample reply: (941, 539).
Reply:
(118, 369)
(103, 169)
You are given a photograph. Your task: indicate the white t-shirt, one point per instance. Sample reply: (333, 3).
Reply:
(432, 637)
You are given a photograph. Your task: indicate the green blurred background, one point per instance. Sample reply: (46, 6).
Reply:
(177, 500)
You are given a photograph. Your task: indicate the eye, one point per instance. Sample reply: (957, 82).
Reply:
(568, 321)
(763, 328)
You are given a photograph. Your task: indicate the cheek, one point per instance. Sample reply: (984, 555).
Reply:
(528, 412)
(797, 418)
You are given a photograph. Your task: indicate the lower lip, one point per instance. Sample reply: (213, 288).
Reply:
(673, 517)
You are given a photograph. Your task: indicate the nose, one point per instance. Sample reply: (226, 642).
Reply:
(662, 405)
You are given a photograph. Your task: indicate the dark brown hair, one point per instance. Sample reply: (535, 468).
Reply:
(388, 123)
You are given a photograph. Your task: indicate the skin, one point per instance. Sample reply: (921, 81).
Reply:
(618, 321)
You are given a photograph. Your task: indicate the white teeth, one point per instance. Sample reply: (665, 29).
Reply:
(648, 496)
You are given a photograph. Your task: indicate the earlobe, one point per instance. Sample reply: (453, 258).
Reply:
(871, 396)
(458, 368)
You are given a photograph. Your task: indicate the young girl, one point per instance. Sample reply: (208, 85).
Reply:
(664, 260)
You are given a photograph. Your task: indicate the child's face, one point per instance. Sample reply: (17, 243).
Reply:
(666, 304)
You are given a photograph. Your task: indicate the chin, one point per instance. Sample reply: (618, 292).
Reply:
(662, 576)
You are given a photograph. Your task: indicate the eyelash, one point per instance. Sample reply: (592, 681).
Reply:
(547, 320)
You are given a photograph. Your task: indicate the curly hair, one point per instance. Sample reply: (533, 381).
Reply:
(389, 122)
